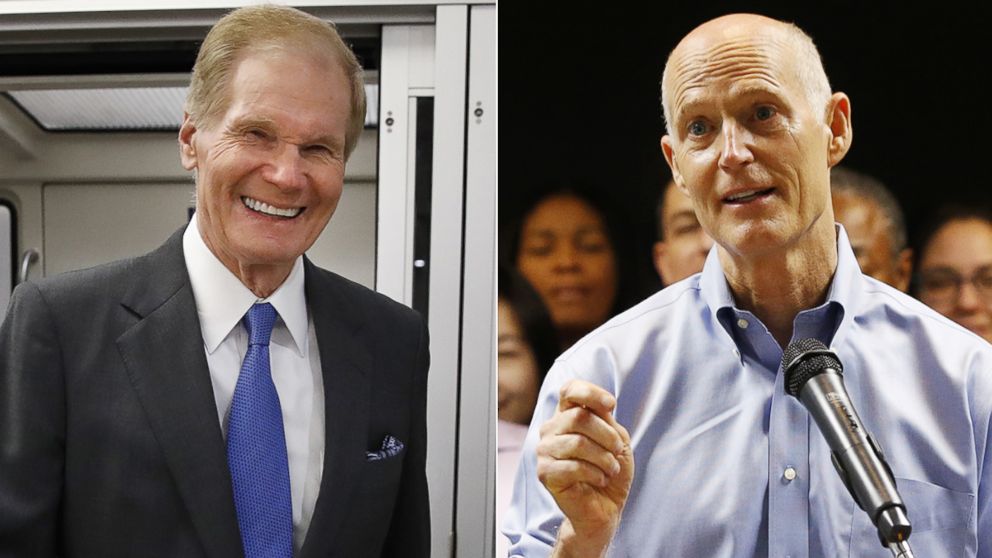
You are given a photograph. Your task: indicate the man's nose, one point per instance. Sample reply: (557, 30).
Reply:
(286, 169)
(968, 298)
(736, 152)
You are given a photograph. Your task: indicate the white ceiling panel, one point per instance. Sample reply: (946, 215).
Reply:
(124, 108)
(137, 108)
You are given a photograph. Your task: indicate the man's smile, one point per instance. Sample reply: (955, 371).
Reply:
(266, 209)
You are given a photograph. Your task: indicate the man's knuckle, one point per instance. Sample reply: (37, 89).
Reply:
(578, 444)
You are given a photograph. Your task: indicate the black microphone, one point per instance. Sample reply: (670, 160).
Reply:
(814, 375)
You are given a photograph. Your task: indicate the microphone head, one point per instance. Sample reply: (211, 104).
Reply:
(805, 358)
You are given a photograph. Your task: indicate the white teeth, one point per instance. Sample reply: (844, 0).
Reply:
(267, 209)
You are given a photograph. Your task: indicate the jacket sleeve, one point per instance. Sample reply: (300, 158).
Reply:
(32, 427)
(410, 528)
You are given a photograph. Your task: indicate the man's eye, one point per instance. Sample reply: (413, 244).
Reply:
(983, 280)
(319, 149)
(697, 128)
(940, 282)
(764, 113)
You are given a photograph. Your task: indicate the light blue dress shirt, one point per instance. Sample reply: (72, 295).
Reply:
(728, 465)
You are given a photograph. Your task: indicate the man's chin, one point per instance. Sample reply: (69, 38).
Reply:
(268, 256)
(747, 243)
(756, 238)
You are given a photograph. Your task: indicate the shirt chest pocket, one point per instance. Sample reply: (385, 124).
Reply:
(941, 520)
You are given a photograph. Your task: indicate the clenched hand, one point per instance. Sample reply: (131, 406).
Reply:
(585, 460)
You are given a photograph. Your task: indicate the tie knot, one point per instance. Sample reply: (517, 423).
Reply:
(259, 321)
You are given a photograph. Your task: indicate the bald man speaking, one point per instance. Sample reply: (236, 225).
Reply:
(668, 430)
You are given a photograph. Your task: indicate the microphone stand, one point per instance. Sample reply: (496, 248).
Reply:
(900, 549)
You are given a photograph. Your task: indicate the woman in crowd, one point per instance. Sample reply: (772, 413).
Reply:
(954, 269)
(566, 248)
(526, 347)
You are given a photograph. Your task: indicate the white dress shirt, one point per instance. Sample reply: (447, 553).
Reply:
(728, 465)
(221, 302)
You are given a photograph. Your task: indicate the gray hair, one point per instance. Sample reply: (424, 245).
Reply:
(260, 27)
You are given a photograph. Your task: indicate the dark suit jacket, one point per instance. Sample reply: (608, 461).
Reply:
(109, 440)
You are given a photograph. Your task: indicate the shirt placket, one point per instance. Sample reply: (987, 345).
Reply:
(788, 451)
(788, 475)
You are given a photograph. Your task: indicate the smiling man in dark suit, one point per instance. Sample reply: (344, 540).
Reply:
(222, 396)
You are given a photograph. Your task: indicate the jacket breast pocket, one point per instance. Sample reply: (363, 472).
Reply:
(941, 520)
(381, 477)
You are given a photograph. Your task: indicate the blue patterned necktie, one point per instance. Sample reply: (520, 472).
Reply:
(256, 448)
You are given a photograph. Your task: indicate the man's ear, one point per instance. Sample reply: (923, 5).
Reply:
(668, 150)
(841, 132)
(187, 150)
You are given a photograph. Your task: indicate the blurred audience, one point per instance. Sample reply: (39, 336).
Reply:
(527, 347)
(682, 243)
(875, 226)
(565, 248)
(955, 266)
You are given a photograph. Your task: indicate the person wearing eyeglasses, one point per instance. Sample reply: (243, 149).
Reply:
(955, 267)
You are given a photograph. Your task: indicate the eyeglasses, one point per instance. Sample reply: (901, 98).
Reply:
(943, 285)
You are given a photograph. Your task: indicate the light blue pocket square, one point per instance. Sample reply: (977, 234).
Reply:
(390, 448)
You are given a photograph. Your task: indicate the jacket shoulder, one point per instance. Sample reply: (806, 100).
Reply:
(344, 291)
(79, 286)
(152, 275)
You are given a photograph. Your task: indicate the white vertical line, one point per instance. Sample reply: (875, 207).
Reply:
(477, 436)
(451, 35)
(392, 215)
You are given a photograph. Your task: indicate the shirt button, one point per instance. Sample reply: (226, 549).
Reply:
(742, 323)
(789, 474)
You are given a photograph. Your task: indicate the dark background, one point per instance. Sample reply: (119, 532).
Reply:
(579, 100)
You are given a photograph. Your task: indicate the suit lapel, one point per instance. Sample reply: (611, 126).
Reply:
(345, 363)
(164, 358)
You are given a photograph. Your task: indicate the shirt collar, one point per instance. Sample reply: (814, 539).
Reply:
(222, 299)
(845, 292)
(847, 289)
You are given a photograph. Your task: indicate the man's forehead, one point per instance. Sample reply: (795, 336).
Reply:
(729, 28)
(261, 94)
(753, 55)
(855, 204)
(853, 198)
(760, 58)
